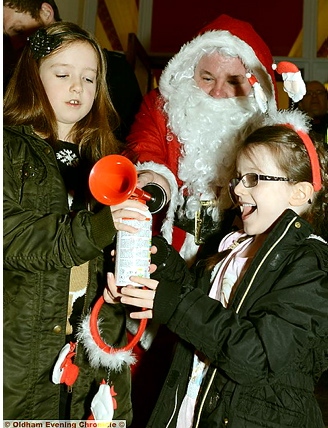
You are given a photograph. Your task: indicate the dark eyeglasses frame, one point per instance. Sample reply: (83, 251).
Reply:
(257, 177)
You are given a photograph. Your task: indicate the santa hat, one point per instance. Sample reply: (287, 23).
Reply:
(245, 32)
(239, 39)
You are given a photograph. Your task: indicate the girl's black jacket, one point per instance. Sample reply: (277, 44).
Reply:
(42, 242)
(267, 350)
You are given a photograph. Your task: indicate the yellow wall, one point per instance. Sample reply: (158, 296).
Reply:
(296, 50)
(124, 14)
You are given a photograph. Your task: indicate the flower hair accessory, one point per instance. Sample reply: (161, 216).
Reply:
(41, 43)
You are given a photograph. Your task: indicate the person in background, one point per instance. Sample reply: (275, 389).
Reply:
(315, 104)
(58, 121)
(22, 17)
(184, 138)
(252, 319)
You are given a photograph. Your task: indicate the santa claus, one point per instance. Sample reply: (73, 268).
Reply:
(187, 130)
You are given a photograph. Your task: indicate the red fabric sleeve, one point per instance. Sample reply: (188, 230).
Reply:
(149, 139)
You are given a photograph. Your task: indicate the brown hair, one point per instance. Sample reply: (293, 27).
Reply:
(26, 102)
(32, 7)
(292, 157)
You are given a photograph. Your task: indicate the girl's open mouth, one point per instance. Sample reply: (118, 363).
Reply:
(247, 210)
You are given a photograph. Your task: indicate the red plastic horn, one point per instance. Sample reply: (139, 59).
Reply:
(113, 180)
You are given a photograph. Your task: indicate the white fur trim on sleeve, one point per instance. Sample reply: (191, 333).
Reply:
(189, 248)
(167, 228)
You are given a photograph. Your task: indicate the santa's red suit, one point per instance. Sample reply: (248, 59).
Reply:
(190, 138)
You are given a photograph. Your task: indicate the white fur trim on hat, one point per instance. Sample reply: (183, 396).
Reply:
(183, 64)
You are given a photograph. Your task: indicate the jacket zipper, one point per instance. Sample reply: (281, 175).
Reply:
(205, 396)
(238, 308)
(262, 261)
(174, 409)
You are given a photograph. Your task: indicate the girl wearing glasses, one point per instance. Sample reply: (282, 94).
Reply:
(253, 319)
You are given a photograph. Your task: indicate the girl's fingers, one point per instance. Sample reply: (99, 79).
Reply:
(143, 314)
(129, 203)
(111, 292)
(145, 282)
(109, 298)
(152, 268)
(138, 297)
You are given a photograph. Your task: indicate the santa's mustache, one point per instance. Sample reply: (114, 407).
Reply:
(210, 131)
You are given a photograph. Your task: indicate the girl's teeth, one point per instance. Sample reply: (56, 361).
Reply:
(247, 209)
(242, 207)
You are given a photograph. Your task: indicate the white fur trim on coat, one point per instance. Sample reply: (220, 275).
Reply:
(189, 249)
(167, 228)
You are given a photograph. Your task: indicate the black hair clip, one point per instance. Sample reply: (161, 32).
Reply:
(41, 43)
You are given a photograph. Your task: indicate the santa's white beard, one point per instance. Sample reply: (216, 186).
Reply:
(210, 130)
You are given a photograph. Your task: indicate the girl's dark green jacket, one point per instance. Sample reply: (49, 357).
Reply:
(266, 351)
(42, 242)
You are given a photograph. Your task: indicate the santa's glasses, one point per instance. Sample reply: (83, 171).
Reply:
(251, 179)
